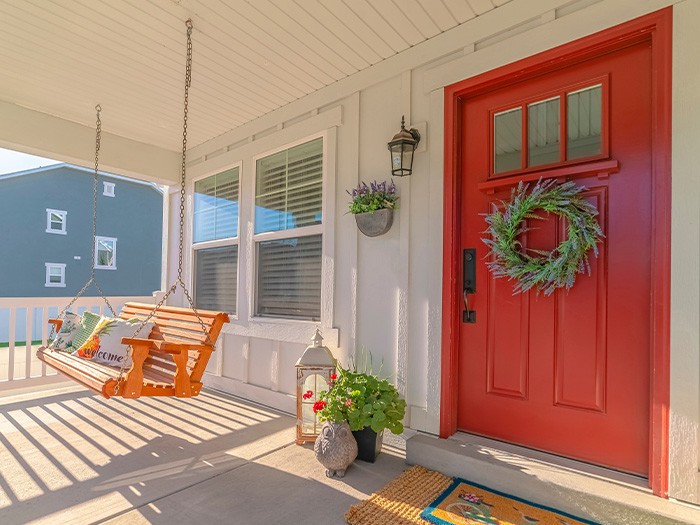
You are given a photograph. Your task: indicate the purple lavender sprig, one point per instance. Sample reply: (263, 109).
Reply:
(376, 196)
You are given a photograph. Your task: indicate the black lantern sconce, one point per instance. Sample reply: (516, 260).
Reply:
(402, 147)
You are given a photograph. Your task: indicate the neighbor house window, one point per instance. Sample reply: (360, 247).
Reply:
(56, 221)
(105, 253)
(215, 241)
(288, 232)
(55, 275)
(108, 190)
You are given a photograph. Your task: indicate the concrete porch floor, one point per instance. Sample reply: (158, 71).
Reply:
(70, 457)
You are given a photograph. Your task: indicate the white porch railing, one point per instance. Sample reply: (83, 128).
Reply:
(24, 327)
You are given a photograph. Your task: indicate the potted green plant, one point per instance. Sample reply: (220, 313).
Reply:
(369, 405)
(373, 207)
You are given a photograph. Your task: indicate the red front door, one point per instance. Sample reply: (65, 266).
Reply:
(567, 373)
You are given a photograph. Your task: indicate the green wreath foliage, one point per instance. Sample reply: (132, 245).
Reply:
(547, 271)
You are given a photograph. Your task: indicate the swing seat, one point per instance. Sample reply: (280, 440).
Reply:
(170, 362)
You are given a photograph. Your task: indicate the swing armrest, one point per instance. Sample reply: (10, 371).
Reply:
(57, 323)
(163, 347)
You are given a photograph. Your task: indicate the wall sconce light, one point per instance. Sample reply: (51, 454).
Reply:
(402, 147)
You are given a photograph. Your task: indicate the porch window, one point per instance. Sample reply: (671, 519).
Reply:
(56, 221)
(288, 232)
(55, 275)
(215, 241)
(105, 253)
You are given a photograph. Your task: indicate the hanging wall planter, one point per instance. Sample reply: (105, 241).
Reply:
(375, 223)
(373, 207)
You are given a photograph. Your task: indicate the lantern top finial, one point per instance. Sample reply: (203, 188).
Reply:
(317, 339)
(316, 354)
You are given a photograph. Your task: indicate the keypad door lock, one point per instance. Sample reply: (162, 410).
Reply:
(468, 283)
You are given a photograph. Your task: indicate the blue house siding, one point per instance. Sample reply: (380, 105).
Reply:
(133, 216)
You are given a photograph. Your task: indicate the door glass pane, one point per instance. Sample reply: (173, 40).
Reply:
(507, 141)
(584, 122)
(543, 132)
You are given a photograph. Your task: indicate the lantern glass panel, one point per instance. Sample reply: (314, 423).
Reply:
(396, 157)
(315, 383)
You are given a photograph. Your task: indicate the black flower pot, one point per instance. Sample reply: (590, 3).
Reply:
(369, 443)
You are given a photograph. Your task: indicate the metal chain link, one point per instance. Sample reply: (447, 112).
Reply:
(183, 171)
(91, 280)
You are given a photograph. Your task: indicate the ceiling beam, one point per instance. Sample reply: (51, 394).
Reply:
(36, 133)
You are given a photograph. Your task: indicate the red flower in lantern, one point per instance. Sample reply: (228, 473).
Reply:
(308, 394)
(319, 405)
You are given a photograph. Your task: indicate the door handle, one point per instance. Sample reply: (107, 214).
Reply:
(468, 283)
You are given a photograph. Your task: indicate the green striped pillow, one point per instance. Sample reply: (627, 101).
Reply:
(87, 326)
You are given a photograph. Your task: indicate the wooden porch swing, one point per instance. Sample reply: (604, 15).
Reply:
(172, 359)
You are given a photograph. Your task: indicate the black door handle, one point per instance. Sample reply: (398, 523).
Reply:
(468, 283)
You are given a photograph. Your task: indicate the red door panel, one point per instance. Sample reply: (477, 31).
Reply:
(568, 373)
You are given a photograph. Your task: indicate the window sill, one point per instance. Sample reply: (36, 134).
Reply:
(105, 267)
(57, 232)
(54, 285)
(286, 330)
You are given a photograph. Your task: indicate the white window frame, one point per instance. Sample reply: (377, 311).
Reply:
(245, 324)
(63, 214)
(304, 231)
(97, 253)
(217, 243)
(53, 266)
(108, 189)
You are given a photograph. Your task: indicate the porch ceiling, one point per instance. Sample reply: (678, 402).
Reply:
(61, 57)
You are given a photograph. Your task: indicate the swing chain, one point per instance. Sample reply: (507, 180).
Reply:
(91, 280)
(183, 167)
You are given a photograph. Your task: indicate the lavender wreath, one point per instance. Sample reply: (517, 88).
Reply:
(547, 271)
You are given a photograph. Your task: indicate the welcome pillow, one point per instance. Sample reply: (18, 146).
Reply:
(87, 326)
(105, 344)
(69, 329)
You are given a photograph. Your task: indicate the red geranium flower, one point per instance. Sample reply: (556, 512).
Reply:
(319, 405)
(334, 377)
(308, 394)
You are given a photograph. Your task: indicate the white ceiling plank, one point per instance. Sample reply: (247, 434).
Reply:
(307, 17)
(419, 18)
(280, 30)
(279, 13)
(356, 45)
(240, 41)
(439, 13)
(292, 56)
(129, 38)
(361, 30)
(460, 9)
(398, 20)
(108, 62)
(481, 6)
(372, 16)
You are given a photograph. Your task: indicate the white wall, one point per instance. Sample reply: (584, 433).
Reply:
(387, 290)
(685, 256)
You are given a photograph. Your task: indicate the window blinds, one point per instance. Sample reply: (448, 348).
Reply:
(215, 278)
(289, 278)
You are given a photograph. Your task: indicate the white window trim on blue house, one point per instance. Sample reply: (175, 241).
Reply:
(112, 266)
(108, 189)
(62, 214)
(62, 274)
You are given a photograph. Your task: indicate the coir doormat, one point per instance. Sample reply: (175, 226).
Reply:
(420, 496)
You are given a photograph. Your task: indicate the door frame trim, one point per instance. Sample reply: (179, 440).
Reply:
(655, 28)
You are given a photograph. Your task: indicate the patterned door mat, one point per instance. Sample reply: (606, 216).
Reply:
(421, 496)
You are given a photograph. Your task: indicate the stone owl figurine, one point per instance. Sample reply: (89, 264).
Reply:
(335, 448)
